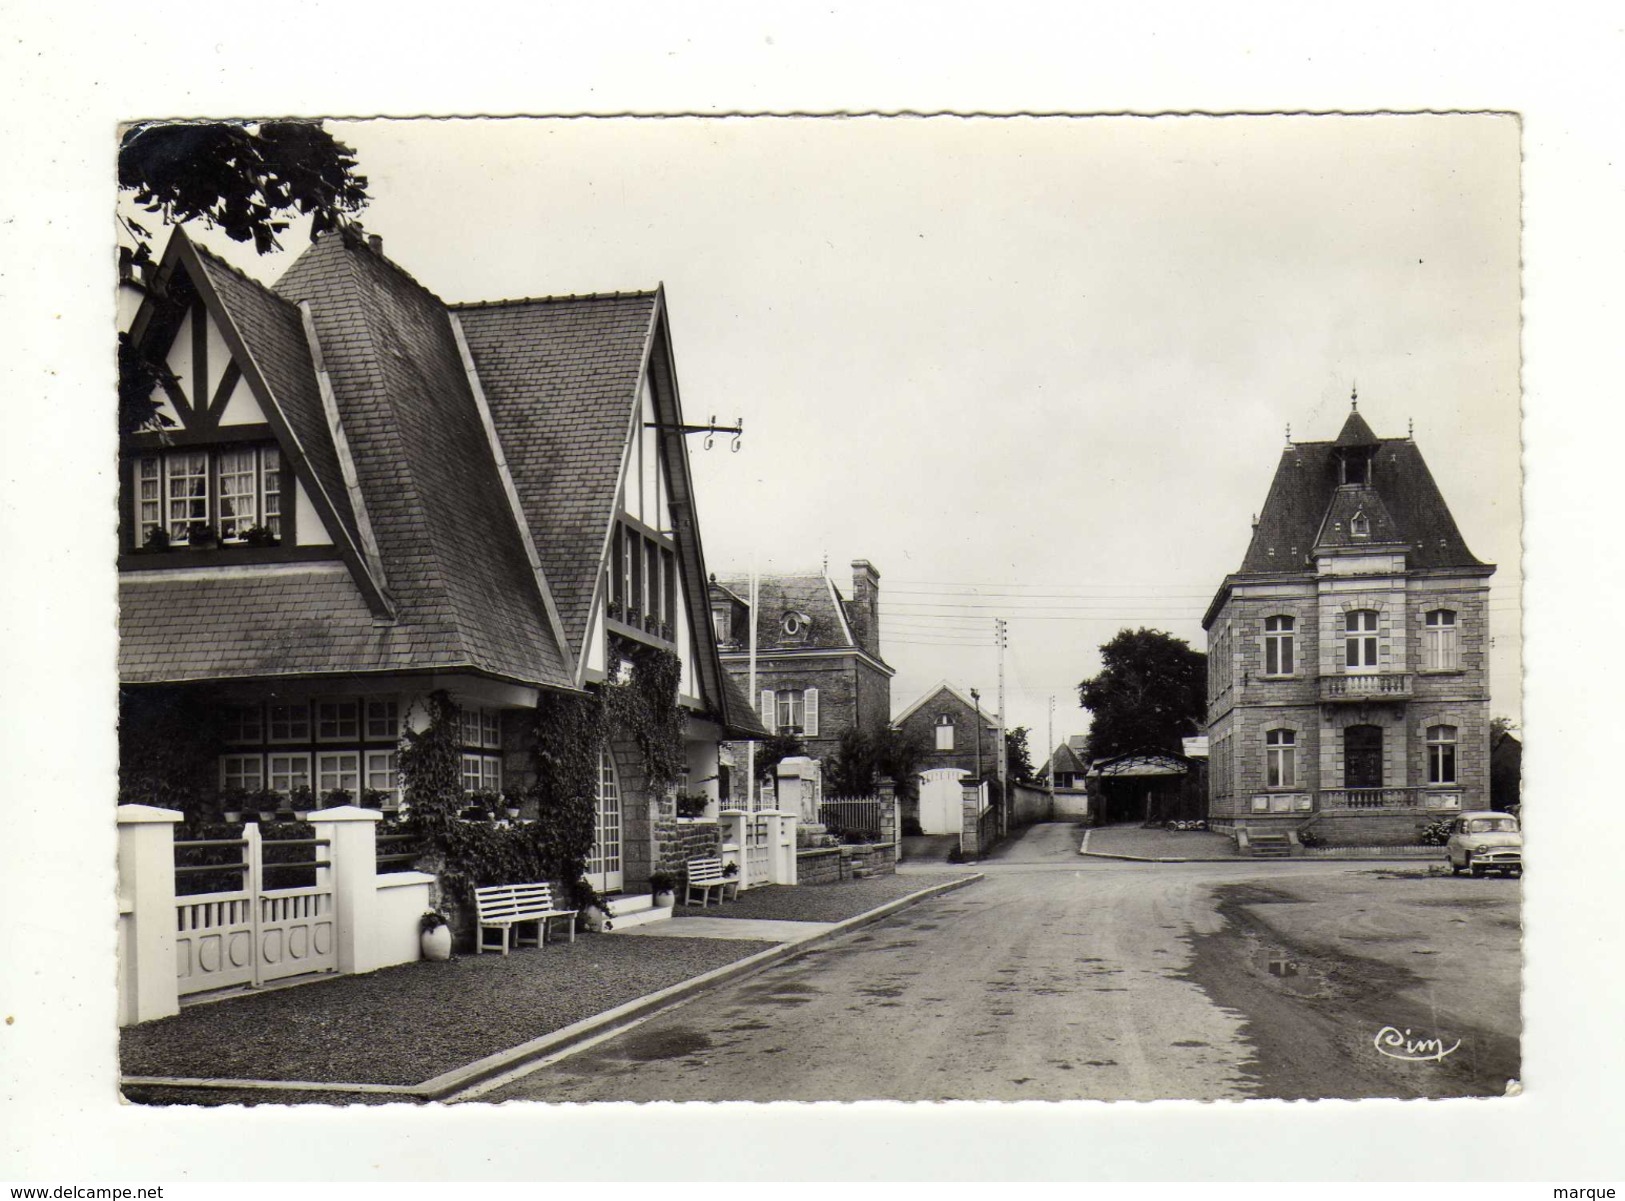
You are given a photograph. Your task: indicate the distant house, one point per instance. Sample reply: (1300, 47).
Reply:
(945, 720)
(1506, 771)
(819, 667)
(1066, 765)
(1348, 655)
(368, 495)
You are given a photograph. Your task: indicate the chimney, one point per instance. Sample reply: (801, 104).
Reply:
(864, 610)
(375, 243)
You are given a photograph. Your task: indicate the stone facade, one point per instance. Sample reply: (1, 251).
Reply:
(1332, 655)
(925, 716)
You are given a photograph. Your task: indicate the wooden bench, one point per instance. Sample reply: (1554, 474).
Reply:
(706, 875)
(504, 906)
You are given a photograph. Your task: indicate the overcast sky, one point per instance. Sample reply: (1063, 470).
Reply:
(1038, 369)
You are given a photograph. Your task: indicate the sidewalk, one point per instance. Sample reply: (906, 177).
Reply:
(1158, 845)
(423, 1030)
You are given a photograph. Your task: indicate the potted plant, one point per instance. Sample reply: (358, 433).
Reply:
(692, 804)
(301, 800)
(262, 805)
(373, 798)
(334, 797)
(200, 535)
(512, 803)
(434, 933)
(157, 539)
(234, 804)
(258, 535)
(664, 887)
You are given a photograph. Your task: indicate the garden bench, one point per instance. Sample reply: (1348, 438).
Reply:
(705, 875)
(504, 906)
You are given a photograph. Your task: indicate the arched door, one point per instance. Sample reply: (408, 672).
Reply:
(1362, 757)
(604, 860)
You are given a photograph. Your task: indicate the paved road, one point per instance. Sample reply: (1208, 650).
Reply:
(1055, 978)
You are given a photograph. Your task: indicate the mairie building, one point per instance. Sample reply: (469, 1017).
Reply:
(1348, 656)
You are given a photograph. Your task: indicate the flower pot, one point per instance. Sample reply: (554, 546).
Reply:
(513, 814)
(665, 900)
(437, 944)
(597, 921)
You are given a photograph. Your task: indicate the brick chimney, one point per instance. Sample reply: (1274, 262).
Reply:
(864, 611)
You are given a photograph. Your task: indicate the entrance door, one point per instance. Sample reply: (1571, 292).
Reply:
(604, 860)
(1362, 757)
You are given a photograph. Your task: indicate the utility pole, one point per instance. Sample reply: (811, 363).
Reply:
(1004, 747)
(976, 699)
(750, 747)
(1051, 737)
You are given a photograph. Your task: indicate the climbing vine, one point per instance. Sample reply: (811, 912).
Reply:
(645, 707)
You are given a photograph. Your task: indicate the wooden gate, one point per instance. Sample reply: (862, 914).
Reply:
(941, 800)
(759, 850)
(253, 934)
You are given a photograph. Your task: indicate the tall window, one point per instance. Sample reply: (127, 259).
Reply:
(1441, 754)
(1439, 640)
(945, 732)
(1278, 646)
(791, 709)
(1281, 758)
(1360, 639)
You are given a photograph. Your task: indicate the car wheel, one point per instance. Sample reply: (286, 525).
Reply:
(1477, 871)
(1456, 868)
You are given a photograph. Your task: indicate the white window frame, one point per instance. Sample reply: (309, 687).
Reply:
(1279, 646)
(232, 774)
(491, 773)
(296, 722)
(383, 721)
(382, 766)
(259, 503)
(292, 760)
(1440, 640)
(1281, 758)
(1360, 652)
(338, 720)
(338, 769)
(945, 732)
(1443, 759)
(491, 728)
(241, 466)
(180, 512)
(789, 709)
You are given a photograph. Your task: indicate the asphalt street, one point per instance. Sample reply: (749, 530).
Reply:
(1057, 977)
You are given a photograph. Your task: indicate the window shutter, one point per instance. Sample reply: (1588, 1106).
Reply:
(769, 718)
(810, 701)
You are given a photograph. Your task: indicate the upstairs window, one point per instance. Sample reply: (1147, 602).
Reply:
(1441, 754)
(791, 711)
(1360, 639)
(233, 490)
(1439, 640)
(1360, 525)
(945, 732)
(1278, 645)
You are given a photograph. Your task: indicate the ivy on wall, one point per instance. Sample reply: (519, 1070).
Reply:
(169, 743)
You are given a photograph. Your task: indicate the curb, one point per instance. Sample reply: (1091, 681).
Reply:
(459, 1079)
(1252, 859)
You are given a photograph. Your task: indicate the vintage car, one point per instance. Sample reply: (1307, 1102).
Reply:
(1485, 842)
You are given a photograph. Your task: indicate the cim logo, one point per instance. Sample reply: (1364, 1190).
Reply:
(1401, 1044)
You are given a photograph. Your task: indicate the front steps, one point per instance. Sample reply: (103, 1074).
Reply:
(639, 909)
(1269, 845)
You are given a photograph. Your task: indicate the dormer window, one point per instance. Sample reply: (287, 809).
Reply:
(796, 625)
(1360, 525)
(186, 496)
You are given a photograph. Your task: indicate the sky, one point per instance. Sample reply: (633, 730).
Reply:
(1038, 369)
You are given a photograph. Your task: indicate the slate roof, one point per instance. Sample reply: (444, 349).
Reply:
(814, 595)
(455, 567)
(1356, 432)
(1065, 759)
(1306, 485)
(561, 379)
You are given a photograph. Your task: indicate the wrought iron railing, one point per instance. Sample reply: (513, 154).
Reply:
(858, 816)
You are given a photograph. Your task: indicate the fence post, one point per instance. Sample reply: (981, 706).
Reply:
(970, 812)
(352, 835)
(890, 827)
(731, 826)
(148, 987)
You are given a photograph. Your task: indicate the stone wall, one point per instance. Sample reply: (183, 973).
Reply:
(829, 865)
(685, 840)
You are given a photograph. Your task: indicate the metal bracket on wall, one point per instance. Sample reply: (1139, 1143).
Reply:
(710, 431)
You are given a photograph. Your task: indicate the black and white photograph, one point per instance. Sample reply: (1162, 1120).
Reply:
(802, 596)
(676, 619)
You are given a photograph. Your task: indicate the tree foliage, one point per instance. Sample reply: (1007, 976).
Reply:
(1019, 756)
(245, 179)
(862, 757)
(1150, 693)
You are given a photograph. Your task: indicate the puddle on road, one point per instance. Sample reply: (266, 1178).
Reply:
(651, 1046)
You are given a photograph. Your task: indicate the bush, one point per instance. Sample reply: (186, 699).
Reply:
(1435, 834)
(1308, 838)
(912, 828)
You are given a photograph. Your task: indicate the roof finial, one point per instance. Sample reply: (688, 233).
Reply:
(826, 562)
(1289, 433)
(1354, 398)
(1410, 428)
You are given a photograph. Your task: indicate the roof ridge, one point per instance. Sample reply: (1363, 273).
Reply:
(518, 300)
(214, 260)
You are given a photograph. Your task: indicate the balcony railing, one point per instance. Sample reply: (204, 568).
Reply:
(1368, 798)
(1386, 686)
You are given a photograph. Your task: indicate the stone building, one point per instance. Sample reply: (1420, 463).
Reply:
(945, 721)
(1348, 657)
(819, 668)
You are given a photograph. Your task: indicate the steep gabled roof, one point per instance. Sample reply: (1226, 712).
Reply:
(1064, 759)
(1307, 482)
(561, 377)
(989, 718)
(1356, 432)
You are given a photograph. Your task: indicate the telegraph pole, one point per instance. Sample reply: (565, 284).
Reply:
(1003, 631)
(1051, 737)
(750, 747)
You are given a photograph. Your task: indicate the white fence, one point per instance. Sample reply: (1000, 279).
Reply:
(349, 920)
